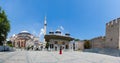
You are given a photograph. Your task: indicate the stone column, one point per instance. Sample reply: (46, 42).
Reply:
(20, 43)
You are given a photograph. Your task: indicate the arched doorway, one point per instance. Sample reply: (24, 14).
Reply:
(66, 46)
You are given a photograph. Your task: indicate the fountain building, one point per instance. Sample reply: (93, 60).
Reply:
(56, 40)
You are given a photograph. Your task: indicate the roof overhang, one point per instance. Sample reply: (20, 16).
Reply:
(48, 37)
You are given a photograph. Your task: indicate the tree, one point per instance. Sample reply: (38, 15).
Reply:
(9, 43)
(77, 39)
(87, 44)
(4, 26)
(47, 45)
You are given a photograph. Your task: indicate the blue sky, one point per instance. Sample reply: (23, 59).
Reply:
(83, 19)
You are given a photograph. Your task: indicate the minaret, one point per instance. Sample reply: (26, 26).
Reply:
(45, 25)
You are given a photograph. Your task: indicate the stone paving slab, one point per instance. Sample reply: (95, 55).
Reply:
(55, 57)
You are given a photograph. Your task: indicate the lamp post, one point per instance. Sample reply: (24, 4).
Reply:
(4, 45)
(3, 41)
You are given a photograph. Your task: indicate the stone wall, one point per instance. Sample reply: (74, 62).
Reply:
(79, 45)
(98, 42)
(112, 34)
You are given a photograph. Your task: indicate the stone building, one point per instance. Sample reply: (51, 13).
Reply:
(77, 45)
(23, 39)
(57, 40)
(98, 42)
(113, 34)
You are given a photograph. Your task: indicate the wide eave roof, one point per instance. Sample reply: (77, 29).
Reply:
(48, 37)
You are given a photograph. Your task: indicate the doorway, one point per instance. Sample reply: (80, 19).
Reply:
(55, 48)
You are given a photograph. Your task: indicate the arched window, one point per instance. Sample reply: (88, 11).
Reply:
(66, 46)
(63, 43)
(56, 42)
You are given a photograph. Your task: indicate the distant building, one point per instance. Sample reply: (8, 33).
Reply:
(56, 40)
(77, 45)
(98, 42)
(23, 39)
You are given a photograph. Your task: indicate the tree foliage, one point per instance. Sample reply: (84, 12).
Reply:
(77, 39)
(47, 45)
(87, 44)
(4, 26)
(9, 43)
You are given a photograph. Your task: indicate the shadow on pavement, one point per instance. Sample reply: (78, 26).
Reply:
(106, 51)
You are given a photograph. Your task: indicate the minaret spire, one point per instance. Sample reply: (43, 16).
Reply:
(45, 25)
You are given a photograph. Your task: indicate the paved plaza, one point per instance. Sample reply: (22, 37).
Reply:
(55, 57)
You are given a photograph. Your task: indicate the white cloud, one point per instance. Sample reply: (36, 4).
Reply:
(34, 32)
(41, 32)
(61, 27)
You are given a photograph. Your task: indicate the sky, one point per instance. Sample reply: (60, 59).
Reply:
(83, 19)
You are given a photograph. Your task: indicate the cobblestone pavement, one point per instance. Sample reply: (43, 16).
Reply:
(55, 57)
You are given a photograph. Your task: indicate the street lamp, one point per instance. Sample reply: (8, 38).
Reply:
(4, 45)
(4, 42)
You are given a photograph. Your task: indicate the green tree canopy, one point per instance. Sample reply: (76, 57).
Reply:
(77, 39)
(9, 43)
(4, 26)
(87, 44)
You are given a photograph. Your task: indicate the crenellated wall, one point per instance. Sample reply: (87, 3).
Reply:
(113, 22)
(111, 38)
(112, 34)
(98, 42)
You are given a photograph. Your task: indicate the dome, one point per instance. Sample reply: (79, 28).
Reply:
(24, 31)
(58, 31)
(51, 32)
(67, 34)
